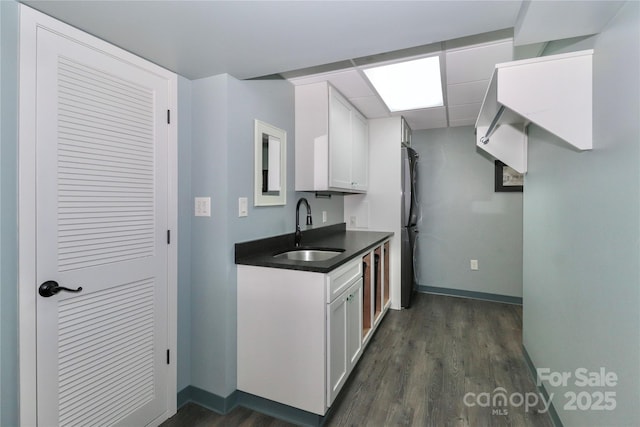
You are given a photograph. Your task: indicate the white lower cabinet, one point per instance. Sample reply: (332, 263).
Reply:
(354, 324)
(300, 333)
(344, 337)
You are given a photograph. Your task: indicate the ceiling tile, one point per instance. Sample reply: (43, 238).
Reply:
(313, 78)
(429, 118)
(462, 122)
(467, 93)
(476, 62)
(349, 82)
(371, 106)
(464, 112)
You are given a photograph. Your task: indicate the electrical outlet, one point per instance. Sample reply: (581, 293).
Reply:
(352, 221)
(474, 264)
(202, 206)
(243, 209)
(324, 216)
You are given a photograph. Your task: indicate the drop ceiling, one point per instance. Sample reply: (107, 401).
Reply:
(466, 70)
(250, 39)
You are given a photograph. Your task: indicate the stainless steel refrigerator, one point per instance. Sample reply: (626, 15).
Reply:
(409, 231)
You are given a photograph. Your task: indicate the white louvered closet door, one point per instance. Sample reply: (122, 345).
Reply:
(101, 185)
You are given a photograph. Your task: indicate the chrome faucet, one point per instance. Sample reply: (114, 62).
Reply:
(298, 237)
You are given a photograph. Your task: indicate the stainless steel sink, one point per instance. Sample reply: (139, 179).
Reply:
(309, 254)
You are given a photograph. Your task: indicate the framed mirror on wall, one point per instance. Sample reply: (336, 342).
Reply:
(270, 175)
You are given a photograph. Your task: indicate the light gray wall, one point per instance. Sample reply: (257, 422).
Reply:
(209, 236)
(8, 214)
(462, 218)
(1, 346)
(223, 113)
(581, 233)
(184, 233)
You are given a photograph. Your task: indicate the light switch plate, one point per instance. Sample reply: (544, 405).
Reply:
(243, 209)
(324, 216)
(202, 206)
(473, 264)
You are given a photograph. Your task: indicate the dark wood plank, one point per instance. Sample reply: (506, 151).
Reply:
(417, 369)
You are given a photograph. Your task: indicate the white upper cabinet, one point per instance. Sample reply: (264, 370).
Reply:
(332, 141)
(359, 151)
(339, 142)
(554, 92)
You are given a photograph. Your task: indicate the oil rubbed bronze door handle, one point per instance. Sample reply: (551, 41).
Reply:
(51, 287)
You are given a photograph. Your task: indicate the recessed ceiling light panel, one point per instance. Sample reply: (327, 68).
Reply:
(409, 85)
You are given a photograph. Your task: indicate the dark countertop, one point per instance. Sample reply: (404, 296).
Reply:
(260, 252)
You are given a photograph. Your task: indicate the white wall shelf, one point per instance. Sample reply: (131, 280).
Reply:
(554, 92)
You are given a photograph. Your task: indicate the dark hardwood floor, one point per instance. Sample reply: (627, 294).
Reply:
(419, 367)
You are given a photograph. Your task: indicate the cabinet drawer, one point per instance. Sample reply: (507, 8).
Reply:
(342, 277)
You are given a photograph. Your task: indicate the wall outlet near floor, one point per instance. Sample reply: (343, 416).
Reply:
(243, 207)
(352, 221)
(473, 264)
(202, 206)
(324, 216)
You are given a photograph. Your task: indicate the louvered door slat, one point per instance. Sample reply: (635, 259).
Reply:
(107, 333)
(108, 136)
(79, 74)
(80, 82)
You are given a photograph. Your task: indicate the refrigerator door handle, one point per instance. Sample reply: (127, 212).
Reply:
(407, 187)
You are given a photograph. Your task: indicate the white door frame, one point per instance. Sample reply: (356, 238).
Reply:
(30, 20)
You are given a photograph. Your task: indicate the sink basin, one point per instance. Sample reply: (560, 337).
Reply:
(309, 254)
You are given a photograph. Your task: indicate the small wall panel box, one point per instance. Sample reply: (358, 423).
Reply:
(554, 92)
